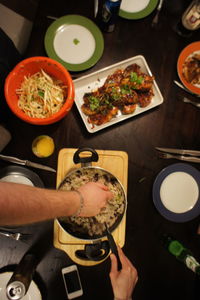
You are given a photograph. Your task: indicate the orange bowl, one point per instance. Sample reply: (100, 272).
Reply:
(29, 67)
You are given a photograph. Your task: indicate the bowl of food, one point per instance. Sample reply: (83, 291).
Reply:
(93, 230)
(93, 227)
(188, 67)
(39, 90)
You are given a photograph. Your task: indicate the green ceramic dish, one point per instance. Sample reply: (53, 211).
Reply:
(127, 14)
(75, 41)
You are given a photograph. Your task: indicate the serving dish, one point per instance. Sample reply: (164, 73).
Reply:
(176, 192)
(130, 9)
(95, 80)
(95, 173)
(188, 51)
(75, 41)
(31, 66)
(81, 228)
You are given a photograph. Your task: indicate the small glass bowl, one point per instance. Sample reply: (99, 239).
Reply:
(43, 146)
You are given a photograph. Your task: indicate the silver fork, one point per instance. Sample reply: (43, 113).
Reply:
(179, 157)
(155, 19)
(186, 100)
(185, 89)
(15, 235)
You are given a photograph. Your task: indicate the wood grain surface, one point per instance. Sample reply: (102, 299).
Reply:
(173, 124)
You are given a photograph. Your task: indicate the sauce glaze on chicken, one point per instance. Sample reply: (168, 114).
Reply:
(121, 92)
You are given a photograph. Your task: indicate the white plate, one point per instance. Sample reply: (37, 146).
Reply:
(75, 41)
(33, 292)
(176, 192)
(132, 9)
(18, 174)
(134, 6)
(95, 80)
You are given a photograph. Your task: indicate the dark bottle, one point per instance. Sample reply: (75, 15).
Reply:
(190, 20)
(191, 17)
(109, 14)
(20, 281)
(181, 253)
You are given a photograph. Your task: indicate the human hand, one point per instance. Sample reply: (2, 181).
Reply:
(123, 281)
(95, 195)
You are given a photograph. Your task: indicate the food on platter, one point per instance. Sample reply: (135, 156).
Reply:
(114, 208)
(191, 69)
(121, 92)
(40, 95)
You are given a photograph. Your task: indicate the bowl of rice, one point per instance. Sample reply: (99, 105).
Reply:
(111, 214)
(39, 90)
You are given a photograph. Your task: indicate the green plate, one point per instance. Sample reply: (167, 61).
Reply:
(137, 9)
(74, 41)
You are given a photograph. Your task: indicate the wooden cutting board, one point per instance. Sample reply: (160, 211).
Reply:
(116, 162)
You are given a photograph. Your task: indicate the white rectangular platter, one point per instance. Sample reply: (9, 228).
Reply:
(93, 81)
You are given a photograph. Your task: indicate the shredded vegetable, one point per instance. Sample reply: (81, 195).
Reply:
(41, 96)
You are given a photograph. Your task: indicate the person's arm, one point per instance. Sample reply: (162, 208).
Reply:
(123, 281)
(22, 204)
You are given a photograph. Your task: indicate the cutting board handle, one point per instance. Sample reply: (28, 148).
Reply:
(94, 252)
(87, 159)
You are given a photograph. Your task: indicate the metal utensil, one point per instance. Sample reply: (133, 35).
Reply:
(96, 7)
(179, 157)
(15, 235)
(186, 100)
(155, 19)
(179, 151)
(52, 17)
(27, 163)
(113, 246)
(185, 89)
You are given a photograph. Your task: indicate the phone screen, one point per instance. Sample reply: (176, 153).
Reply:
(72, 281)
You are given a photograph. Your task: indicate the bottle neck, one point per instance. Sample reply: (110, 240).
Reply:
(192, 264)
(175, 248)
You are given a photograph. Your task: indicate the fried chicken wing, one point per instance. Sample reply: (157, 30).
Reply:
(144, 99)
(122, 91)
(128, 109)
(131, 68)
(99, 119)
(137, 79)
(123, 96)
(115, 78)
(87, 110)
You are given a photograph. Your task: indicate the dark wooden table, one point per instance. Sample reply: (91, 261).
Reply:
(172, 124)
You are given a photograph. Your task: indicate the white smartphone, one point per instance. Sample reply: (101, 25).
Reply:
(72, 281)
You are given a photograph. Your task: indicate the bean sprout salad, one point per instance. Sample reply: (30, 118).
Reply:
(41, 96)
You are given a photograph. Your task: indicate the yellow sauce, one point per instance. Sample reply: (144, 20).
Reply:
(43, 146)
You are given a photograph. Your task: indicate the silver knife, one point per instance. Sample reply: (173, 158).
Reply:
(155, 19)
(27, 163)
(185, 89)
(179, 151)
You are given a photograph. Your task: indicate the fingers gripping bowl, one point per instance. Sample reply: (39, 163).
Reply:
(37, 69)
